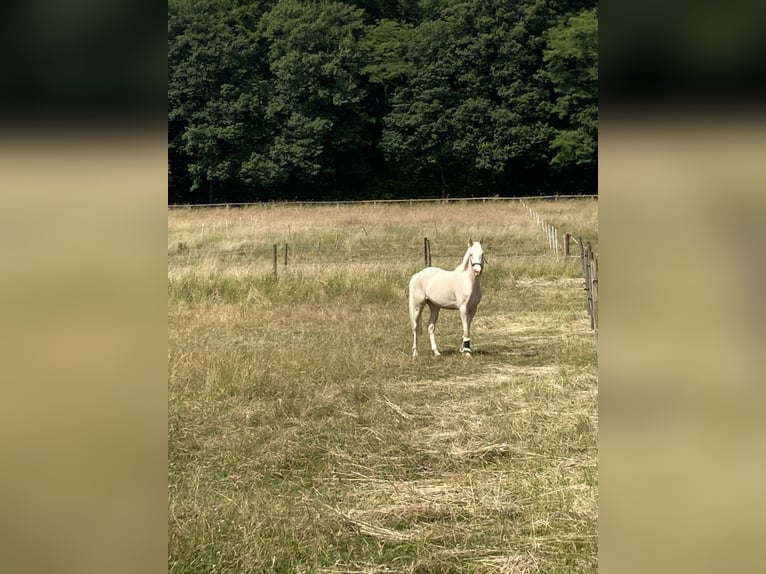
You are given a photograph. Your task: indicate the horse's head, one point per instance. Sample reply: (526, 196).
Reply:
(476, 257)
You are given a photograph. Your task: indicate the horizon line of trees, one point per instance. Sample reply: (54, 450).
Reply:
(378, 99)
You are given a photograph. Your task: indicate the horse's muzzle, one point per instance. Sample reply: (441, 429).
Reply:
(477, 269)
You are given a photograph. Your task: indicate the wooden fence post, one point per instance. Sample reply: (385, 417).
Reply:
(285, 254)
(594, 293)
(425, 251)
(586, 263)
(275, 261)
(567, 236)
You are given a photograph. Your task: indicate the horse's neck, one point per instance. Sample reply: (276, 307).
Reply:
(465, 267)
(464, 264)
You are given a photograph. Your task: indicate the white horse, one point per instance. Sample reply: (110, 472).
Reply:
(440, 289)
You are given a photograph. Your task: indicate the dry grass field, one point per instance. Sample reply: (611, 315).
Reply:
(304, 438)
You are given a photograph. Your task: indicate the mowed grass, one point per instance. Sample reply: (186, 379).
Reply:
(304, 438)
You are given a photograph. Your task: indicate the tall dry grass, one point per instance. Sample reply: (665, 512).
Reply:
(303, 437)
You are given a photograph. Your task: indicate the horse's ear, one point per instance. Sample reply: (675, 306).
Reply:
(470, 242)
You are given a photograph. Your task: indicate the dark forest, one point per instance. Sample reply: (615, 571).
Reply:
(372, 99)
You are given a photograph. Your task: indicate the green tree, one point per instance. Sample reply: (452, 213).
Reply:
(315, 104)
(402, 11)
(571, 58)
(384, 50)
(217, 89)
(418, 126)
(475, 106)
(520, 120)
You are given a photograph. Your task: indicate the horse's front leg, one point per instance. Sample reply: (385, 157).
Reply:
(466, 316)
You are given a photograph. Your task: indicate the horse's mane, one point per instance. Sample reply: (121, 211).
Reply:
(464, 264)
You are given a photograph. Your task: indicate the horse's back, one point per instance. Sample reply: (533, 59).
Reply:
(428, 275)
(436, 285)
(420, 281)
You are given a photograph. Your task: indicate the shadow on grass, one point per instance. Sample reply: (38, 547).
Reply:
(495, 350)
(518, 353)
(514, 354)
(491, 350)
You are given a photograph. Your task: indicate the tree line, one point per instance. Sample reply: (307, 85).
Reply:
(328, 99)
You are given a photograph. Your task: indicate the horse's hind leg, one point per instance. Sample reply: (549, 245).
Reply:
(432, 326)
(415, 312)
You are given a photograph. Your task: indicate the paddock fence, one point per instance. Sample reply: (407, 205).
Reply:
(589, 260)
(283, 256)
(439, 200)
(326, 251)
(590, 274)
(341, 251)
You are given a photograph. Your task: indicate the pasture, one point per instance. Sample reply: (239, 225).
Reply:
(303, 437)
